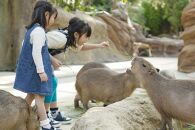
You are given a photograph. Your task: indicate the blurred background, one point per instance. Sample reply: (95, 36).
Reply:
(133, 27)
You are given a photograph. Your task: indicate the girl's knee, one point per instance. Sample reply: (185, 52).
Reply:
(39, 97)
(29, 95)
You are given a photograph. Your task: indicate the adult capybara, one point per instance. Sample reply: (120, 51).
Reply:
(87, 66)
(103, 84)
(91, 65)
(172, 98)
(16, 114)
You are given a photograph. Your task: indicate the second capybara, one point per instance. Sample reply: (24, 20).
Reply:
(103, 84)
(91, 65)
(87, 66)
(16, 114)
(174, 99)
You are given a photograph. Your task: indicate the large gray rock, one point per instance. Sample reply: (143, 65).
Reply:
(133, 113)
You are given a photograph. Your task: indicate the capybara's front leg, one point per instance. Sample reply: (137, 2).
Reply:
(169, 123)
(163, 125)
(76, 101)
(85, 105)
(85, 101)
(166, 122)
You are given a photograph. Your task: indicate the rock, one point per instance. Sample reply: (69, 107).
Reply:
(120, 11)
(104, 28)
(15, 15)
(133, 113)
(121, 42)
(159, 45)
(120, 33)
(186, 59)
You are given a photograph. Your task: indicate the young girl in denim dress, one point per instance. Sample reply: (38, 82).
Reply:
(34, 72)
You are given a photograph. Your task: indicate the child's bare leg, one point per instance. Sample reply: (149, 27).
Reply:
(44, 121)
(53, 105)
(47, 106)
(39, 101)
(29, 98)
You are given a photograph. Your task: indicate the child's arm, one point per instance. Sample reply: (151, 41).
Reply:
(37, 39)
(55, 62)
(88, 46)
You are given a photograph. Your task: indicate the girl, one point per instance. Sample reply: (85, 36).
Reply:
(34, 72)
(74, 36)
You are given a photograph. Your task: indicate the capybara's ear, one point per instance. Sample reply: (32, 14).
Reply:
(157, 69)
(128, 71)
(151, 71)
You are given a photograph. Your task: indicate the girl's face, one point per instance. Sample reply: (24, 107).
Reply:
(50, 21)
(82, 39)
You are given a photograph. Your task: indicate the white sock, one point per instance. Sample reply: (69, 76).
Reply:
(45, 124)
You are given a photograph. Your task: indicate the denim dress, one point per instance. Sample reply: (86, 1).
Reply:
(27, 79)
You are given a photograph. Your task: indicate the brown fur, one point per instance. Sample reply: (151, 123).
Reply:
(103, 84)
(172, 98)
(16, 114)
(91, 65)
(87, 66)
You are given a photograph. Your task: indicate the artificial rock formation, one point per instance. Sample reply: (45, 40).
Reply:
(159, 45)
(15, 15)
(133, 113)
(104, 28)
(13, 29)
(186, 59)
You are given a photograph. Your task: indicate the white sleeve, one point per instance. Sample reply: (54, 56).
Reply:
(37, 39)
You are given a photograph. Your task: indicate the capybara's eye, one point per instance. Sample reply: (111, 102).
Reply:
(144, 65)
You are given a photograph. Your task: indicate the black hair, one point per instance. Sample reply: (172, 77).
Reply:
(79, 26)
(38, 15)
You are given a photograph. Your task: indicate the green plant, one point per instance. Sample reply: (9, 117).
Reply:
(153, 18)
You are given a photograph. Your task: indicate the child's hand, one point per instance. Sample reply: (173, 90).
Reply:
(43, 77)
(104, 44)
(56, 63)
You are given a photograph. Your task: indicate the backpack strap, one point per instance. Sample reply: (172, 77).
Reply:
(55, 51)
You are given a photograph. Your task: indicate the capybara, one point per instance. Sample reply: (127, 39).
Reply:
(172, 98)
(103, 84)
(16, 114)
(87, 66)
(91, 65)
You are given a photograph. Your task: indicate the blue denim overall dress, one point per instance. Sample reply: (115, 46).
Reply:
(27, 79)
